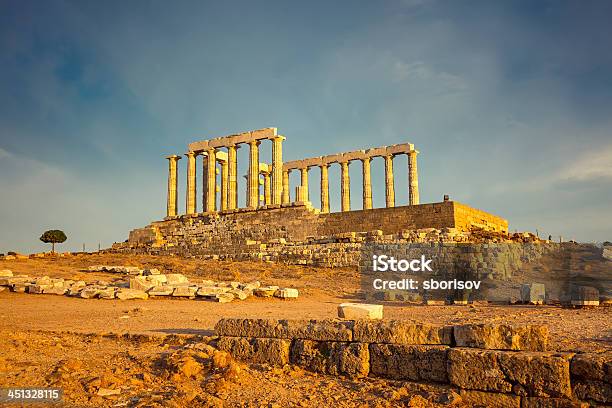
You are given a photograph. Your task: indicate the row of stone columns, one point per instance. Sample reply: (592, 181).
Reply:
(345, 187)
(273, 180)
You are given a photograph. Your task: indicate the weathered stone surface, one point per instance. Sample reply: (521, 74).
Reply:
(268, 351)
(224, 297)
(585, 296)
(161, 291)
(265, 291)
(537, 374)
(502, 337)
(525, 373)
(489, 399)
(55, 290)
(477, 370)
(174, 278)
(542, 402)
(141, 283)
(404, 362)
(332, 330)
(6, 273)
(185, 291)
(400, 332)
(329, 357)
(152, 271)
(534, 293)
(354, 311)
(592, 376)
(211, 291)
(286, 293)
(126, 294)
(89, 292)
(108, 293)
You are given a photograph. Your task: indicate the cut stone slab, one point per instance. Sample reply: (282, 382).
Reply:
(224, 297)
(491, 399)
(89, 292)
(267, 351)
(287, 329)
(55, 290)
(126, 294)
(354, 311)
(502, 337)
(161, 291)
(141, 283)
(533, 293)
(6, 273)
(152, 271)
(585, 296)
(239, 294)
(185, 291)
(286, 293)
(211, 291)
(174, 278)
(401, 332)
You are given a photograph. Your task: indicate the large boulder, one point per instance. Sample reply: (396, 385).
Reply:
(354, 311)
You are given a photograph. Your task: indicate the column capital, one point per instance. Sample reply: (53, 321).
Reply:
(191, 154)
(278, 137)
(174, 157)
(254, 142)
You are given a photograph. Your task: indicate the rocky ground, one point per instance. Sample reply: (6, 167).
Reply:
(161, 352)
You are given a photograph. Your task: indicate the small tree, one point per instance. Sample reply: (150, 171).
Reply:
(53, 237)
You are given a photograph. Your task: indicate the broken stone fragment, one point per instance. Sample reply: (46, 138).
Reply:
(89, 292)
(55, 290)
(108, 293)
(161, 291)
(224, 297)
(265, 291)
(6, 273)
(286, 293)
(211, 291)
(152, 271)
(354, 311)
(239, 294)
(141, 283)
(126, 294)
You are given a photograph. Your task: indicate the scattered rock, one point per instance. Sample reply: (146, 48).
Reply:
(354, 311)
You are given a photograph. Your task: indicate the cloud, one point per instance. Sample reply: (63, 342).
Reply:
(594, 165)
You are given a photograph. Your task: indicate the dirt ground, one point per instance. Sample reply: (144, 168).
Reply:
(156, 352)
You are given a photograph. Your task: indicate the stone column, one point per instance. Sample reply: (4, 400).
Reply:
(190, 202)
(211, 187)
(304, 183)
(204, 180)
(277, 170)
(324, 188)
(413, 178)
(367, 184)
(253, 186)
(267, 188)
(172, 185)
(345, 187)
(232, 198)
(389, 187)
(286, 198)
(224, 184)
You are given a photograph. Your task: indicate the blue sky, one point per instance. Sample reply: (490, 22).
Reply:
(509, 103)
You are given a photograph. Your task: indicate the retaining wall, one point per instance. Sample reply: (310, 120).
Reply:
(494, 365)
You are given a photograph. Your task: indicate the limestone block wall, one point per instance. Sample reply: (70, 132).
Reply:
(494, 365)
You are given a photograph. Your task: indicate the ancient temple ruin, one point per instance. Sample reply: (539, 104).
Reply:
(279, 226)
(275, 176)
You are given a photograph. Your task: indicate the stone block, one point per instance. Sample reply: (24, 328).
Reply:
(211, 291)
(286, 293)
(174, 278)
(585, 296)
(589, 390)
(489, 399)
(333, 358)
(405, 362)
(401, 332)
(592, 376)
(127, 294)
(256, 350)
(88, 292)
(224, 297)
(55, 290)
(185, 291)
(157, 280)
(141, 283)
(525, 373)
(6, 273)
(533, 293)
(354, 311)
(286, 329)
(152, 271)
(502, 337)
(161, 291)
(108, 293)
